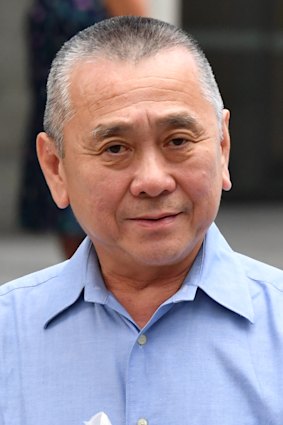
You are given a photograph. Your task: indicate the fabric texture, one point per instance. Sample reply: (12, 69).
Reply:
(211, 354)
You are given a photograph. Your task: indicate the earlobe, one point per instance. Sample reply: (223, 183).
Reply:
(52, 168)
(225, 146)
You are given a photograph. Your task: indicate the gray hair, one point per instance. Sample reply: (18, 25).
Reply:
(126, 38)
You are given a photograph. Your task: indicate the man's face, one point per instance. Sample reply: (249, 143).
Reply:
(144, 165)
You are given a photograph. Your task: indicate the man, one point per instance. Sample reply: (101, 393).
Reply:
(154, 320)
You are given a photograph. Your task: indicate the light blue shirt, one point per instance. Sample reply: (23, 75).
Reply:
(211, 355)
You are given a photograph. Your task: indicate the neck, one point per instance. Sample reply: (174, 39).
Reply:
(142, 295)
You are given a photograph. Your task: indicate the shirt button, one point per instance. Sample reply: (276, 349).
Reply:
(142, 421)
(142, 339)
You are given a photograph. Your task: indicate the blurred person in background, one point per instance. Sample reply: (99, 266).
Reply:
(49, 24)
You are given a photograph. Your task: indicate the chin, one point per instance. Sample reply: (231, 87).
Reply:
(161, 257)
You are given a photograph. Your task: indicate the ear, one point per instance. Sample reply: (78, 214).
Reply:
(225, 148)
(52, 167)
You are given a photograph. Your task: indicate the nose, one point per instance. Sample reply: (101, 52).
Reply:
(152, 177)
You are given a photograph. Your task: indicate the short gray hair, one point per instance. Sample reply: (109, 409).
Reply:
(125, 38)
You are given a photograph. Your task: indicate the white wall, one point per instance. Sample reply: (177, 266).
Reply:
(166, 10)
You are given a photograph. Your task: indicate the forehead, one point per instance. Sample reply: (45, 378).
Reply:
(104, 86)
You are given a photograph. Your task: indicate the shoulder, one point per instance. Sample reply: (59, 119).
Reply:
(24, 302)
(265, 286)
(239, 266)
(32, 283)
(262, 273)
(39, 295)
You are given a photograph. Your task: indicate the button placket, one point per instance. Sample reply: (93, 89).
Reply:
(137, 379)
(142, 421)
(142, 339)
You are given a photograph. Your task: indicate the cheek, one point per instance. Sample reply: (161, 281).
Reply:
(212, 166)
(203, 181)
(97, 194)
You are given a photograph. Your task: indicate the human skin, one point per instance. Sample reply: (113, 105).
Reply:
(143, 168)
(127, 7)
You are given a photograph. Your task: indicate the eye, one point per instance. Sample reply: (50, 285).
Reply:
(116, 149)
(178, 141)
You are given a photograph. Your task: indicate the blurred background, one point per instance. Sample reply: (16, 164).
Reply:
(244, 43)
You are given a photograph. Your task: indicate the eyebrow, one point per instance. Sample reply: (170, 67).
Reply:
(103, 131)
(172, 120)
(179, 120)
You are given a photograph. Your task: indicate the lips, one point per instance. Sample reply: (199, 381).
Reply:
(157, 222)
(156, 217)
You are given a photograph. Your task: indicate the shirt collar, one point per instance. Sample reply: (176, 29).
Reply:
(216, 271)
(222, 276)
(67, 286)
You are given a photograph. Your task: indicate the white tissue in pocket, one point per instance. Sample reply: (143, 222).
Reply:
(99, 419)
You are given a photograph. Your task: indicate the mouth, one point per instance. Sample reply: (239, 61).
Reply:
(156, 217)
(151, 220)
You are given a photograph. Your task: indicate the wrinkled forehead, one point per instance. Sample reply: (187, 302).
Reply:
(103, 77)
(104, 91)
(165, 63)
